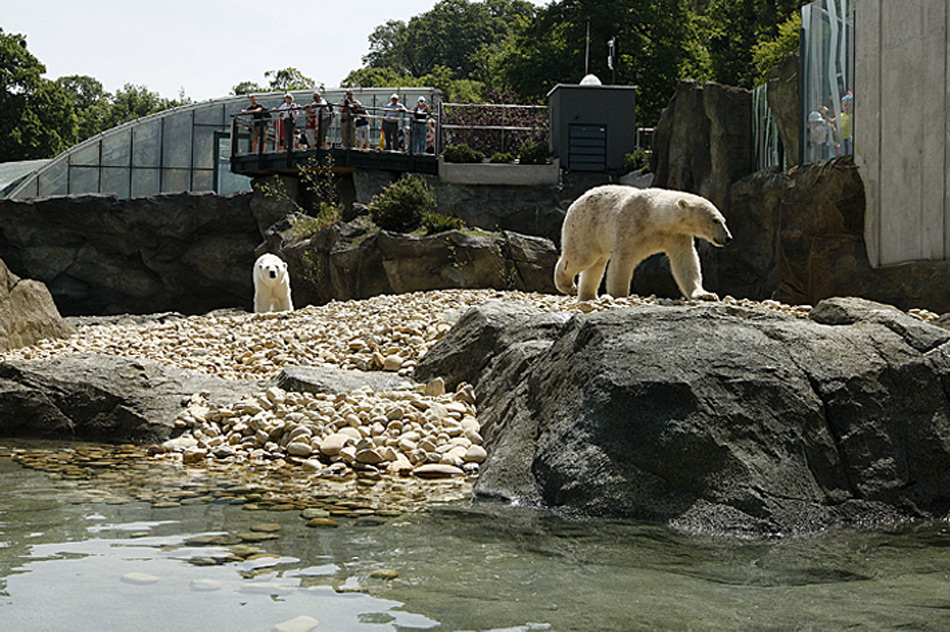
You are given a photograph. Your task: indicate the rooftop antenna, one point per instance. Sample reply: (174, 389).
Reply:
(587, 52)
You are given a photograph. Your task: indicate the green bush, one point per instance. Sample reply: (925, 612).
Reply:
(462, 153)
(403, 204)
(637, 160)
(434, 223)
(534, 152)
(502, 156)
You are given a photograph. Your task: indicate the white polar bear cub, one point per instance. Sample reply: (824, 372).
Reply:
(625, 225)
(271, 285)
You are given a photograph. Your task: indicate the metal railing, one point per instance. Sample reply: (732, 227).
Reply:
(304, 127)
(492, 127)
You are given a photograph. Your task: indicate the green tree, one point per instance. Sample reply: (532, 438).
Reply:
(37, 119)
(247, 87)
(289, 79)
(91, 103)
(132, 102)
(658, 44)
(733, 28)
(769, 53)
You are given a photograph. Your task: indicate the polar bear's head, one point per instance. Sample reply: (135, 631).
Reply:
(270, 269)
(704, 219)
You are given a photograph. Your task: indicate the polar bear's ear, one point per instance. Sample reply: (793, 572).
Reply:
(682, 203)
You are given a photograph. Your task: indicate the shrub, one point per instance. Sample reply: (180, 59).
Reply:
(534, 152)
(462, 153)
(403, 204)
(434, 223)
(637, 160)
(502, 156)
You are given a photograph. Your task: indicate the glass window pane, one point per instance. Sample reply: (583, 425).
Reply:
(176, 140)
(176, 180)
(116, 180)
(204, 147)
(144, 182)
(210, 115)
(83, 179)
(145, 143)
(116, 148)
(53, 180)
(202, 180)
(88, 155)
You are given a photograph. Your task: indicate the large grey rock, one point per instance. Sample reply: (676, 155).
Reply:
(356, 261)
(27, 312)
(97, 254)
(782, 96)
(103, 398)
(334, 380)
(711, 418)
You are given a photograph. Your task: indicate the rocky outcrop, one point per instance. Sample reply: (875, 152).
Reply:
(27, 312)
(713, 418)
(799, 238)
(101, 397)
(782, 97)
(355, 260)
(97, 254)
(112, 399)
(703, 141)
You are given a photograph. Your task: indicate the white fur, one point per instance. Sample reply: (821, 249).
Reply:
(625, 225)
(271, 285)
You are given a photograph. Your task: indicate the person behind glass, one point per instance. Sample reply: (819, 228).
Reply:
(392, 114)
(285, 122)
(323, 112)
(347, 123)
(361, 123)
(420, 114)
(259, 113)
(847, 129)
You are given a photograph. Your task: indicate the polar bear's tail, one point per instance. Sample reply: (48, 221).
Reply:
(563, 281)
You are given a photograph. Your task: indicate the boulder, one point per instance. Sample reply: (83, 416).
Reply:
(187, 252)
(703, 141)
(713, 418)
(27, 312)
(103, 398)
(782, 97)
(355, 260)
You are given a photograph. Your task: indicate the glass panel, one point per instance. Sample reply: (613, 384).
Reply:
(116, 148)
(83, 179)
(210, 115)
(176, 142)
(53, 180)
(88, 155)
(202, 180)
(116, 180)
(144, 182)
(176, 180)
(228, 182)
(146, 139)
(827, 67)
(204, 147)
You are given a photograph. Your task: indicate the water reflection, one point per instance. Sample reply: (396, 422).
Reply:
(212, 565)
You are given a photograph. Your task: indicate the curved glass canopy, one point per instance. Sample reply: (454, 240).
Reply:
(183, 149)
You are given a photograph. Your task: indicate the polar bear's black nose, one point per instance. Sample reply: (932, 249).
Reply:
(273, 274)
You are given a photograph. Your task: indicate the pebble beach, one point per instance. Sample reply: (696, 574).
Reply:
(395, 449)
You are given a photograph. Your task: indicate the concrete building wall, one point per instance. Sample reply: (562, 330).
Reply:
(902, 127)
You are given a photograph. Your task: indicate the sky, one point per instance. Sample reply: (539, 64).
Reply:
(204, 47)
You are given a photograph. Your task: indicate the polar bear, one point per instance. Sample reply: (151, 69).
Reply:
(271, 285)
(625, 225)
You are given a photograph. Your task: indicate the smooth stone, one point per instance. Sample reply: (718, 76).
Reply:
(393, 362)
(194, 455)
(205, 585)
(385, 573)
(265, 527)
(180, 444)
(438, 470)
(335, 442)
(303, 623)
(435, 387)
(140, 578)
(323, 522)
(299, 448)
(370, 456)
(476, 454)
(312, 512)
